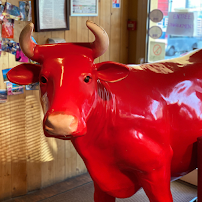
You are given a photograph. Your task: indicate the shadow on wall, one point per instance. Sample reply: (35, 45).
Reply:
(28, 160)
(21, 133)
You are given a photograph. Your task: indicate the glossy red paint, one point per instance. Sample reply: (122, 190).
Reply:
(133, 126)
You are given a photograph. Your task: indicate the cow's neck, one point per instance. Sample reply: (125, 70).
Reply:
(99, 123)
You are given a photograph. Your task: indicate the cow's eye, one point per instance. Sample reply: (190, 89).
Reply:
(87, 79)
(43, 79)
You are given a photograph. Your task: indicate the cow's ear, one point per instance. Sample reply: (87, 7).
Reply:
(111, 71)
(24, 74)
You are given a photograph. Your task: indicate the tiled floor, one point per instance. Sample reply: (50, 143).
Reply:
(80, 189)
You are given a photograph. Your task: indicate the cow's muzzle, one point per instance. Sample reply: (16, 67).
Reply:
(60, 125)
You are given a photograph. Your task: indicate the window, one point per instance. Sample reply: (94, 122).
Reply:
(172, 43)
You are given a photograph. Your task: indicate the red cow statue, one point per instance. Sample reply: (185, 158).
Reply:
(133, 126)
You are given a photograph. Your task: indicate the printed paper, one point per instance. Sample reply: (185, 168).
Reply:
(9, 46)
(14, 89)
(33, 86)
(8, 28)
(11, 12)
(116, 3)
(25, 10)
(181, 23)
(3, 95)
(51, 14)
(157, 51)
(20, 56)
(4, 72)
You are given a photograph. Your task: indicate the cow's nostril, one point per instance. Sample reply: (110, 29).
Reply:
(48, 123)
(46, 129)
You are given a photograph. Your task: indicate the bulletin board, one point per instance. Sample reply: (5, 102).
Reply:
(51, 15)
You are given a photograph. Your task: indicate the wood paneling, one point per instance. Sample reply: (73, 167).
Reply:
(124, 33)
(132, 15)
(29, 160)
(115, 34)
(105, 22)
(137, 10)
(33, 146)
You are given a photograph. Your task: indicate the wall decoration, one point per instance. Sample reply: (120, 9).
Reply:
(9, 46)
(33, 86)
(3, 95)
(1, 12)
(180, 23)
(20, 56)
(156, 15)
(14, 89)
(84, 7)
(11, 12)
(4, 72)
(155, 32)
(8, 28)
(157, 51)
(25, 10)
(51, 15)
(116, 3)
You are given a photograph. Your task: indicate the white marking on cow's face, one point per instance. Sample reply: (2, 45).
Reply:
(62, 75)
(44, 103)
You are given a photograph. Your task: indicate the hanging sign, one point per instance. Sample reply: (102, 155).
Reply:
(155, 32)
(156, 15)
(180, 23)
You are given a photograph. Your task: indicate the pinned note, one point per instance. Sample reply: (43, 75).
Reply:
(157, 51)
(181, 23)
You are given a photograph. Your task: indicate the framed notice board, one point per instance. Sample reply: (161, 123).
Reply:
(51, 15)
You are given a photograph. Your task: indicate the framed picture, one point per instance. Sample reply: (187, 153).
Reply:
(51, 15)
(84, 7)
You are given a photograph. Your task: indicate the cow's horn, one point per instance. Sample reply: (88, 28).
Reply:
(26, 43)
(101, 42)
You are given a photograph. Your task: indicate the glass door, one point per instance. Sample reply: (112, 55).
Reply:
(175, 28)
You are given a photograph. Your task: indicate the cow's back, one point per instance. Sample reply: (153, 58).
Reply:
(166, 102)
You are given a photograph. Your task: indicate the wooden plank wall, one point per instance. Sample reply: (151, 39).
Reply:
(137, 39)
(28, 160)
